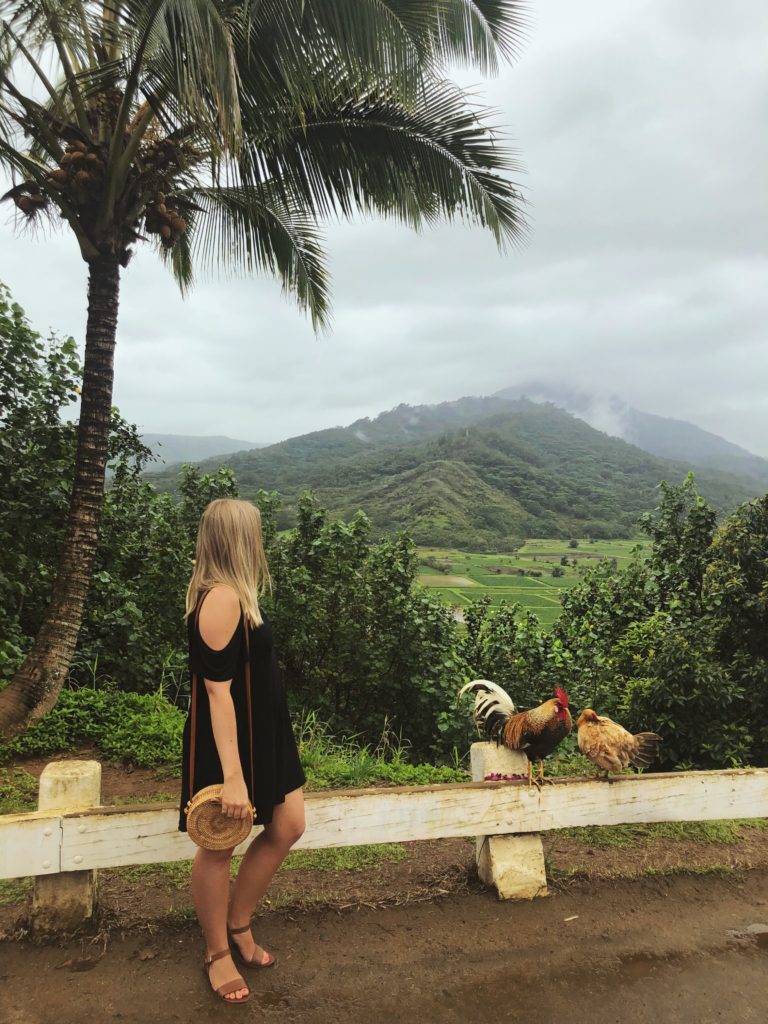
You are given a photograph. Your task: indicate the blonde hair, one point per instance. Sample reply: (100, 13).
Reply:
(230, 550)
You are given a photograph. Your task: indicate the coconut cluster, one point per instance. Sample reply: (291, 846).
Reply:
(163, 219)
(81, 171)
(146, 204)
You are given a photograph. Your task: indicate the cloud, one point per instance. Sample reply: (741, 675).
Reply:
(640, 126)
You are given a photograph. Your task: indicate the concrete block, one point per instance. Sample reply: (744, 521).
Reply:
(67, 899)
(513, 864)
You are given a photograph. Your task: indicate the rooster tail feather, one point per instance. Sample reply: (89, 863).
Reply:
(493, 707)
(646, 750)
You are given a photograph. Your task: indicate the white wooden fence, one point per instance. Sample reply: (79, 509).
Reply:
(71, 840)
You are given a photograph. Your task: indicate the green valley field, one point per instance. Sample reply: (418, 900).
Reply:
(458, 577)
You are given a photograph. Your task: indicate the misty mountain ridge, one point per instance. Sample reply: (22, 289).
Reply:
(664, 436)
(176, 448)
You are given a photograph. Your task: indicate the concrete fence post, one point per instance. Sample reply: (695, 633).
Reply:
(514, 864)
(67, 899)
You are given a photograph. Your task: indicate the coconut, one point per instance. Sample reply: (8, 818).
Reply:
(59, 176)
(165, 231)
(27, 204)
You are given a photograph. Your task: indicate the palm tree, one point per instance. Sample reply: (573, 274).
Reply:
(225, 131)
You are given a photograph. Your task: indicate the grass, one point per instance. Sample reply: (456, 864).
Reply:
(331, 763)
(718, 870)
(174, 876)
(556, 874)
(345, 858)
(142, 798)
(14, 890)
(606, 836)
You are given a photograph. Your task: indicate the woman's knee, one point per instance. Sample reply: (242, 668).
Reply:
(214, 857)
(287, 832)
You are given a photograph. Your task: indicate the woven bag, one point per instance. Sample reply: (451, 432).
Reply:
(206, 825)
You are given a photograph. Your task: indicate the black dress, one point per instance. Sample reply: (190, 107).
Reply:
(276, 766)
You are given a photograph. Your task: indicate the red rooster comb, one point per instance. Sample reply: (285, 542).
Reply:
(562, 696)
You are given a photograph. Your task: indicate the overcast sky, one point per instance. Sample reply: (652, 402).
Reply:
(642, 127)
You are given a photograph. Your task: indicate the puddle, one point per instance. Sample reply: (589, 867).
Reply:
(751, 937)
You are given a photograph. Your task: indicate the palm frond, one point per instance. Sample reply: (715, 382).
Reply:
(481, 32)
(184, 48)
(439, 160)
(287, 42)
(254, 228)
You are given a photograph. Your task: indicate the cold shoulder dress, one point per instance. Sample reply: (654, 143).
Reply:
(276, 766)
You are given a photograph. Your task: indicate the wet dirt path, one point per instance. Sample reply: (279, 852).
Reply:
(676, 950)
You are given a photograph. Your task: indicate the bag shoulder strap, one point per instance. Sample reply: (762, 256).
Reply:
(193, 708)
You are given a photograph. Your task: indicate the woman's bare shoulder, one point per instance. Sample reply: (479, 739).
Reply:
(219, 616)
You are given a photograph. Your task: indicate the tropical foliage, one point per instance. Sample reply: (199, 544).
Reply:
(221, 132)
(675, 642)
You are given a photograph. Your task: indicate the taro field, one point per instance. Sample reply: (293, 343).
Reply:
(534, 576)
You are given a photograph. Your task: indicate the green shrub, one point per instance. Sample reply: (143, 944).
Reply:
(142, 729)
(18, 791)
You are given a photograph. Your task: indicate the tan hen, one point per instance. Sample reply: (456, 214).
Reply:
(611, 747)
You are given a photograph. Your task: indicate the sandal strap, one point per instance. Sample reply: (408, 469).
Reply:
(217, 956)
(232, 986)
(239, 931)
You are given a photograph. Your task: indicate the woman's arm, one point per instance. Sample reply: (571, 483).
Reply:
(219, 617)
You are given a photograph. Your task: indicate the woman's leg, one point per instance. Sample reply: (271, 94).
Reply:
(210, 894)
(260, 862)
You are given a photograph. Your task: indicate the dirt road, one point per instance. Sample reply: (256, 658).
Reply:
(674, 950)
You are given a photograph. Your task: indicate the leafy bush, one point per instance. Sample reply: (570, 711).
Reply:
(18, 791)
(676, 643)
(142, 729)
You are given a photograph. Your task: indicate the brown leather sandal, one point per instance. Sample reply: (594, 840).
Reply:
(229, 986)
(239, 956)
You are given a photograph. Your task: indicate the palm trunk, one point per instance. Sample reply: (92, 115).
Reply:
(36, 686)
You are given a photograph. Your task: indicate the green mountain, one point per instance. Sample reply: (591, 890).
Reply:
(477, 473)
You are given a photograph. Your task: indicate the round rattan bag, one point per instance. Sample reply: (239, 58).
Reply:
(208, 827)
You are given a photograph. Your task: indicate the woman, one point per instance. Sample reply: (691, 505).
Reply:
(258, 765)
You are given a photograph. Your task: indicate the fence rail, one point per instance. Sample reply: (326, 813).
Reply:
(81, 839)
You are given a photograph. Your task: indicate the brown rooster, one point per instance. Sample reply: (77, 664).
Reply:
(609, 746)
(536, 732)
